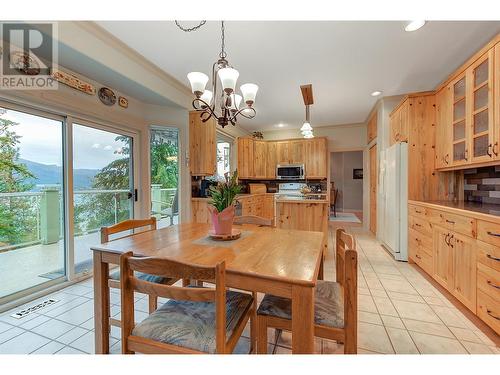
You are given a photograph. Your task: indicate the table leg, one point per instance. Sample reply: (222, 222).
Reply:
(302, 319)
(101, 304)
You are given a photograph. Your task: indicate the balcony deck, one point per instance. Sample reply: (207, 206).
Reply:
(33, 265)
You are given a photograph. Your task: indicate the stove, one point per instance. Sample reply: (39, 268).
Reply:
(290, 190)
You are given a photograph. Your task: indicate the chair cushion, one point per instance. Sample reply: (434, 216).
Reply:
(144, 276)
(328, 305)
(192, 324)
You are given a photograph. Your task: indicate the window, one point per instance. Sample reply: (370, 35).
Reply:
(224, 150)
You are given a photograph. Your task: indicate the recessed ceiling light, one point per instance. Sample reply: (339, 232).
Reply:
(280, 125)
(376, 93)
(414, 25)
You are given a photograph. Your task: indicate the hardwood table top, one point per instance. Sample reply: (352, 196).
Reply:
(286, 255)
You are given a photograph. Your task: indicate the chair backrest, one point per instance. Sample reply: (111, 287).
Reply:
(251, 219)
(175, 203)
(346, 259)
(126, 225)
(178, 270)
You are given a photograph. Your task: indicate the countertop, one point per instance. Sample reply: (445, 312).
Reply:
(287, 200)
(490, 211)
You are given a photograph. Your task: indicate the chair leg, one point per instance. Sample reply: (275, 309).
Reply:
(153, 303)
(253, 325)
(261, 335)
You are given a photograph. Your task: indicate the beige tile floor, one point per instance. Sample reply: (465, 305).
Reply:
(400, 312)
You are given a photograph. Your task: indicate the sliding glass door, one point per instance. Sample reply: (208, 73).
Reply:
(103, 187)
(164, 146)
(32, 246)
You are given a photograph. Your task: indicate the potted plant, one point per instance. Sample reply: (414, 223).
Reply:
(221, 206)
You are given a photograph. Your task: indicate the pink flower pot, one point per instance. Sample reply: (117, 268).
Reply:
(222, 221)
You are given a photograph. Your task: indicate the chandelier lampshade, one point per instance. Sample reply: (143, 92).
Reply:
(198, 82)
(249, 91)
(236, 101)
(228, 78)
(207, 97)
(306, 127)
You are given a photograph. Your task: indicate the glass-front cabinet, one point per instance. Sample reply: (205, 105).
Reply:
(481, 113)
(460, 148)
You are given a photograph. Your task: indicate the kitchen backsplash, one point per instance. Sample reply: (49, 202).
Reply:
(482, 185)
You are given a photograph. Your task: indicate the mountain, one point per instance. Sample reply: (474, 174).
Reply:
(49, 174)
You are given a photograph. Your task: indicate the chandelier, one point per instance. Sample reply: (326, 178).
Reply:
(223, 105)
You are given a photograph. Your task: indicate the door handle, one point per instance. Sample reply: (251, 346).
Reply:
(446, 239)
(452, 236)
(488, 152)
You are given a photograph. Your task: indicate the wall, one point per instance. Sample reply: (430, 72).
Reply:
(350, 191)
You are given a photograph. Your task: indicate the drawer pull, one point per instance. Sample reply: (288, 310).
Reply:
(418, 256)
(493, 316)
(418, 240)
(450, 221)
(418, 212)
(493, 285)
(493, 234)
(417, 225)
(492, 257)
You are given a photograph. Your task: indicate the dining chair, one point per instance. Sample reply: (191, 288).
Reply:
(193, 320)
(252, 219)
(114, 277)
(335, 303)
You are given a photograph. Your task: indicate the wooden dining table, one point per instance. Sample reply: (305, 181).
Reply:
(281, 262)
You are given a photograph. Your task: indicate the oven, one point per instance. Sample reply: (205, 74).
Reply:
(290, 172)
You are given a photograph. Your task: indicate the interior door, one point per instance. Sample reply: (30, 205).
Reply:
(443, 257)
(464, 270)
(373, 189)
(482, 135)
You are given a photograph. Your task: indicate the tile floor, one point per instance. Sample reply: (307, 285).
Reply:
(399, 312)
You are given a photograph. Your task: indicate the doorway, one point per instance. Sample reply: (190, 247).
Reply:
(346, 177)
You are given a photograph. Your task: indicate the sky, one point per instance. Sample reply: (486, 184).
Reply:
(41, 142)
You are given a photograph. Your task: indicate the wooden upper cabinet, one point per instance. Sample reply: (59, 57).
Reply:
(296, 152)
(372, 127)
(496, 102)
(443, 127)
(460, 121)
(316, 158)
(482, 135)
(260, 159)
(202, 145)
(282, 152)
(271, 160)
(399, 123)
(245, 158)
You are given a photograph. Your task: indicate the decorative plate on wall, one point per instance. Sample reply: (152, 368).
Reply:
(107, 96)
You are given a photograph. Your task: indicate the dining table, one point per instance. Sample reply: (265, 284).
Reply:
(282, 262)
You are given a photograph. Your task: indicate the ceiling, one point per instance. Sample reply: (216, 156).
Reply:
(344, 60)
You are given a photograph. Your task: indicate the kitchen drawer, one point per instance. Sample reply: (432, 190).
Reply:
(420, 225)
(420, 241)
(424, 260)
(488, 310)
(488, 281)
(488, 255)
(456, 223)
(417, 211)
(488, 232)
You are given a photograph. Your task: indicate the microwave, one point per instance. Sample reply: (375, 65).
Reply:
(290, 172)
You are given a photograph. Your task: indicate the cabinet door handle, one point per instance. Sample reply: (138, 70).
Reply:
(489, 256)
(418, 240)
(488, 152)
(495, 148)
(493, 234)
(449, 221)
(446, 239)
(490, 314)
(493, 285)
(466, 155)
(418, 256)
(446, 159)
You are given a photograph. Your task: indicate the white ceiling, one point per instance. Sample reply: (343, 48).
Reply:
(344, 60)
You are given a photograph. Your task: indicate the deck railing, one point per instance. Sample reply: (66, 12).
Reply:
(43, 211)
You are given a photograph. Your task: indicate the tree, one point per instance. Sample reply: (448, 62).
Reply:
(164, 165)
(16, 217)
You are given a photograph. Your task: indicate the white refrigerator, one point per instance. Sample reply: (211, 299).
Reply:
(394, 197)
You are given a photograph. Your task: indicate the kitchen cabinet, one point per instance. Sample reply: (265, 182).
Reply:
(399, 123)
(373, 189)
(202, 146)
(199, 210)
(443, 258)
(371, 127)
(468, 119)
(302, 215)
(296, 152)
(464, 269)
(271, 161)
(282, 152)
(245, 158)
(261, 205)
(260, 159)
(316, 158)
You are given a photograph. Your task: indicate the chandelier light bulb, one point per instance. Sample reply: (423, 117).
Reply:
(228, 78)
(198, 82)
(249, 91)
(207, 97)
(309, 135)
